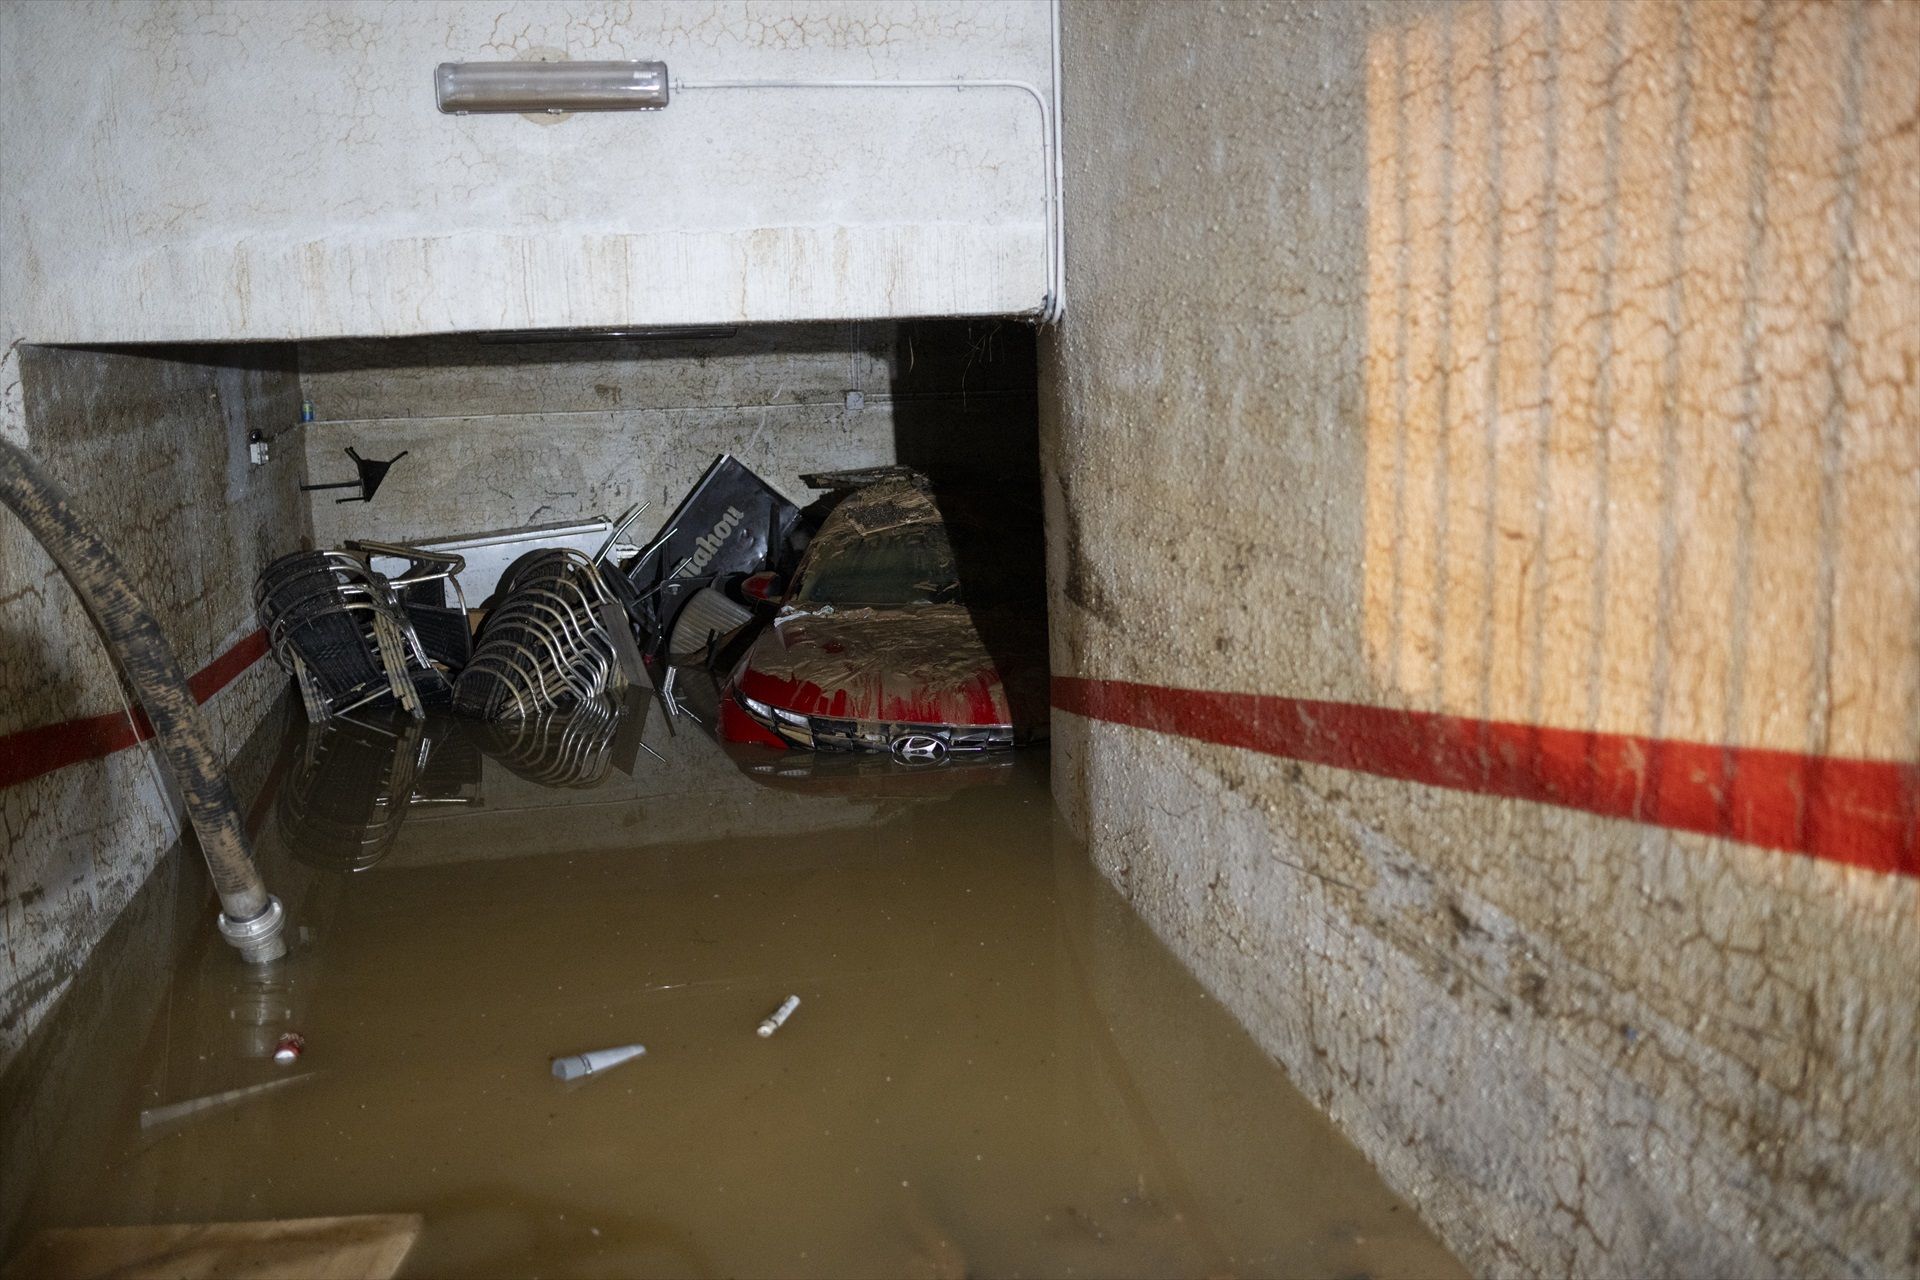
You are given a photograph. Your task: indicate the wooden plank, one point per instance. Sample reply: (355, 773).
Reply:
(364, 1247)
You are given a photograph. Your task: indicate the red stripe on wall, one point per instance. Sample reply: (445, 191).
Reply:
(1865, 813)
(33, 752)
(227, 668)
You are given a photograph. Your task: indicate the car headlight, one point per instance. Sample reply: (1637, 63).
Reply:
(792, 717)
(758, 707)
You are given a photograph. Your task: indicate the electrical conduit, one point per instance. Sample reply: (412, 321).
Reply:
(1053, 305)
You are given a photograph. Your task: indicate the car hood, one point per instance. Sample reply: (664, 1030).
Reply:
(926, 664)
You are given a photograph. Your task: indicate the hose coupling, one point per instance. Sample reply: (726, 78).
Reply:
(258, 938)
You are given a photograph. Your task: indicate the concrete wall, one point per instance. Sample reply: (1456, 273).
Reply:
(503, 435)
(1505, 418)
(153, 446)
(211, 172)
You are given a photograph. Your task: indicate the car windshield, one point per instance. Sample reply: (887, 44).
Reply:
(913, 565)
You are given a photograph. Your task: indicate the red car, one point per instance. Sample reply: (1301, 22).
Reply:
(908, 628)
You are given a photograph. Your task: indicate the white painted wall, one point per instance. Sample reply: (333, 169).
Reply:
(276, 170)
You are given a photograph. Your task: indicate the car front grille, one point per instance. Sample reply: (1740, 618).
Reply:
(909, 741)
(881, 735)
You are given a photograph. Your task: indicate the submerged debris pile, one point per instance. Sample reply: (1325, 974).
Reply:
(883, 618)
(563, 631)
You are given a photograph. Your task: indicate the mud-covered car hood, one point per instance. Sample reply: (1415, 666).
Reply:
(920, 664)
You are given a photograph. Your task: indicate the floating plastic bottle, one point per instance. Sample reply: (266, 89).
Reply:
(581, 1065)
(771, 1023)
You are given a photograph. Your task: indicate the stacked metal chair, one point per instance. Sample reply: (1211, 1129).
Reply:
(546, 644)
(339, 629)
(438, 627)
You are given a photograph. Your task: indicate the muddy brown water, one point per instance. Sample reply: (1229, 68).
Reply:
(995, 1068)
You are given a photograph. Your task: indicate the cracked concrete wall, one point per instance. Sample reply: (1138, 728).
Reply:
(152, 443)
(1546, 364)
(243, 170)
(500, 435)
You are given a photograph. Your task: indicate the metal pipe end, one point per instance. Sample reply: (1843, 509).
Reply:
(258, 938)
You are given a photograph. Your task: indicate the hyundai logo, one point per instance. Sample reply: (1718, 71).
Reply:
(919, 748)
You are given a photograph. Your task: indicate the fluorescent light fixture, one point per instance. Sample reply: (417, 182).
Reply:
(553, 87)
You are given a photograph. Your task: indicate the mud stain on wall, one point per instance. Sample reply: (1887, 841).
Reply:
(1643, 370)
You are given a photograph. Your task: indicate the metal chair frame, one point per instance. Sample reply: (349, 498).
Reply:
(544, 646)
(297, 593)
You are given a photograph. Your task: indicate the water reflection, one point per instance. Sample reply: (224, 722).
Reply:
(348, 791)
(574, 748)
(353, 781)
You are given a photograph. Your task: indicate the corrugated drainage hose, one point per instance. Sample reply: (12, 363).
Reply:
(250, 917)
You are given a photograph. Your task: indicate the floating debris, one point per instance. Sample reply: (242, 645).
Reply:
(581, 1065)
(153, 1117)
(773, 1021)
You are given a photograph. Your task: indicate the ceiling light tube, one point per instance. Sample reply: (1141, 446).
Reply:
(474, 87)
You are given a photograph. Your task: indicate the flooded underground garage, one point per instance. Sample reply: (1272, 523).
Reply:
(675, 891)
(957, 639)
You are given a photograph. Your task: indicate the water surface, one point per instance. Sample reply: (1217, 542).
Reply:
(995, 1068)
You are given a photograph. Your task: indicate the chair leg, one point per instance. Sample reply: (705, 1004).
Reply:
(318, 711)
